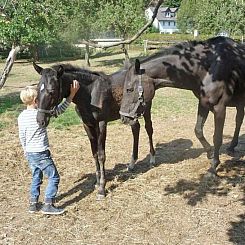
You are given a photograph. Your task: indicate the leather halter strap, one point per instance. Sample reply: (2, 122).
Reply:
(133, 113)
(51, 112)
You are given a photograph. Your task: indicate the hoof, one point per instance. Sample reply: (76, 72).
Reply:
(211, 174)
(210, 154)
(130, 167)
(152, 161)
(231, 152)
(100, 197)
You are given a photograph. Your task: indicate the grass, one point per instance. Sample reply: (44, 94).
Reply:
(9, 103)
(167, 101)
(67, 119)
(171, 101)
(10, 107)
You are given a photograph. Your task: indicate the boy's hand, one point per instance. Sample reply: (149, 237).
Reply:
(73, 90)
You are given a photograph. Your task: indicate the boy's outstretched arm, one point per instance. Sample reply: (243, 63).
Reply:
(63, 105)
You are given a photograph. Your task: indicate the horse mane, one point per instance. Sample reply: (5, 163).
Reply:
(85, 75)
(181, 46)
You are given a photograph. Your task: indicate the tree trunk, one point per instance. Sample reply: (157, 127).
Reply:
(87, 55)
(35, 53)
(125, 51)
(9, 64)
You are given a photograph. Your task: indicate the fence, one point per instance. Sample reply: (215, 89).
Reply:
(157, 44)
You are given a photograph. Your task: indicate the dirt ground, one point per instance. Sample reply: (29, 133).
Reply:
(172, 203)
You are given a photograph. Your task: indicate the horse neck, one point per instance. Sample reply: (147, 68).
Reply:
(65, 84)
(173, 71)
(117, 85)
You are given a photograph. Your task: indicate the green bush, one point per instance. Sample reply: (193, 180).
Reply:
(171, 37)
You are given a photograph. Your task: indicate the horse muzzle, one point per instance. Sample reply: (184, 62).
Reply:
(43, 119)
(128, 120)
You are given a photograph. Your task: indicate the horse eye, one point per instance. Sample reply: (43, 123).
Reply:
(129, 90)
(50, 92)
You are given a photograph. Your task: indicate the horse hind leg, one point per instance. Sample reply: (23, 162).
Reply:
(90, 130)
(239, 119)
(219, 119)
(94, 148)
(101, 157)
(202, 115)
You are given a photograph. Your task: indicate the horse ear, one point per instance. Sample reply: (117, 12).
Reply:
(137, 66)
(60, 71)
(37, 68)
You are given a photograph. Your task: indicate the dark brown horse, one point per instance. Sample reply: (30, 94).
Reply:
(214, 70)
(97, 102)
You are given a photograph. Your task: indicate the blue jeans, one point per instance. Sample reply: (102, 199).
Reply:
(41, 164)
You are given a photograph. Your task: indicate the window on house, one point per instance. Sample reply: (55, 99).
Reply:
(169, 23)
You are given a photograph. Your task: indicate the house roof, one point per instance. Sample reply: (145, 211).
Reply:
(161, 13)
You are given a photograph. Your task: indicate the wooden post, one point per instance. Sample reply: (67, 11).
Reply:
(87, 55)
(145, 46)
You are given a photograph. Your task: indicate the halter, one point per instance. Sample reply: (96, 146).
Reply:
(139, 102)
(51, 112)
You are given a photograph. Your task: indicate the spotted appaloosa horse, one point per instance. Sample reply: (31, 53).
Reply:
(97, 102)
(214, 70)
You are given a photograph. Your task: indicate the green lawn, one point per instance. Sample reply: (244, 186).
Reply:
(167, 101)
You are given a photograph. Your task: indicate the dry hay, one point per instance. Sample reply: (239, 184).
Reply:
(172, 203)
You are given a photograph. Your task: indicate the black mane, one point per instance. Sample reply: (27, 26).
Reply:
(81, 74)
(182, 46)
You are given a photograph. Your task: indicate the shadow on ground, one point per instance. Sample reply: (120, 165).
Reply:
(233, 172)
(85, 185)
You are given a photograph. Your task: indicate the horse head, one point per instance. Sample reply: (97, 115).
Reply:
(138, 91)
(49, 93)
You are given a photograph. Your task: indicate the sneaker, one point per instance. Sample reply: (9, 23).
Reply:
(51, 209)
(33, 207)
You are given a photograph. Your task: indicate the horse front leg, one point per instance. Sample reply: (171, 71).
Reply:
(239, 119)
(92, 135)
(101, 157)
(136, 131)
(149, 130)
(90, 129)
(219, 120)
(202, 115)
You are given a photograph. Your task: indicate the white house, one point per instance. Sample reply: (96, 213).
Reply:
(165, 20)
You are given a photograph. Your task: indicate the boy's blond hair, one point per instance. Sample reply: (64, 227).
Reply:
(28, 94)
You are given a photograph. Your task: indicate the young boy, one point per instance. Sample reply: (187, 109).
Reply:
(34, 141)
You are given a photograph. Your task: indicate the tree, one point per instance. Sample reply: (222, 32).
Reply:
(212, 16)
(123, 18)
(186, 15)
(172, 3)
(215, 16)
(27, 23)
(33, 22)
(135, 36)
